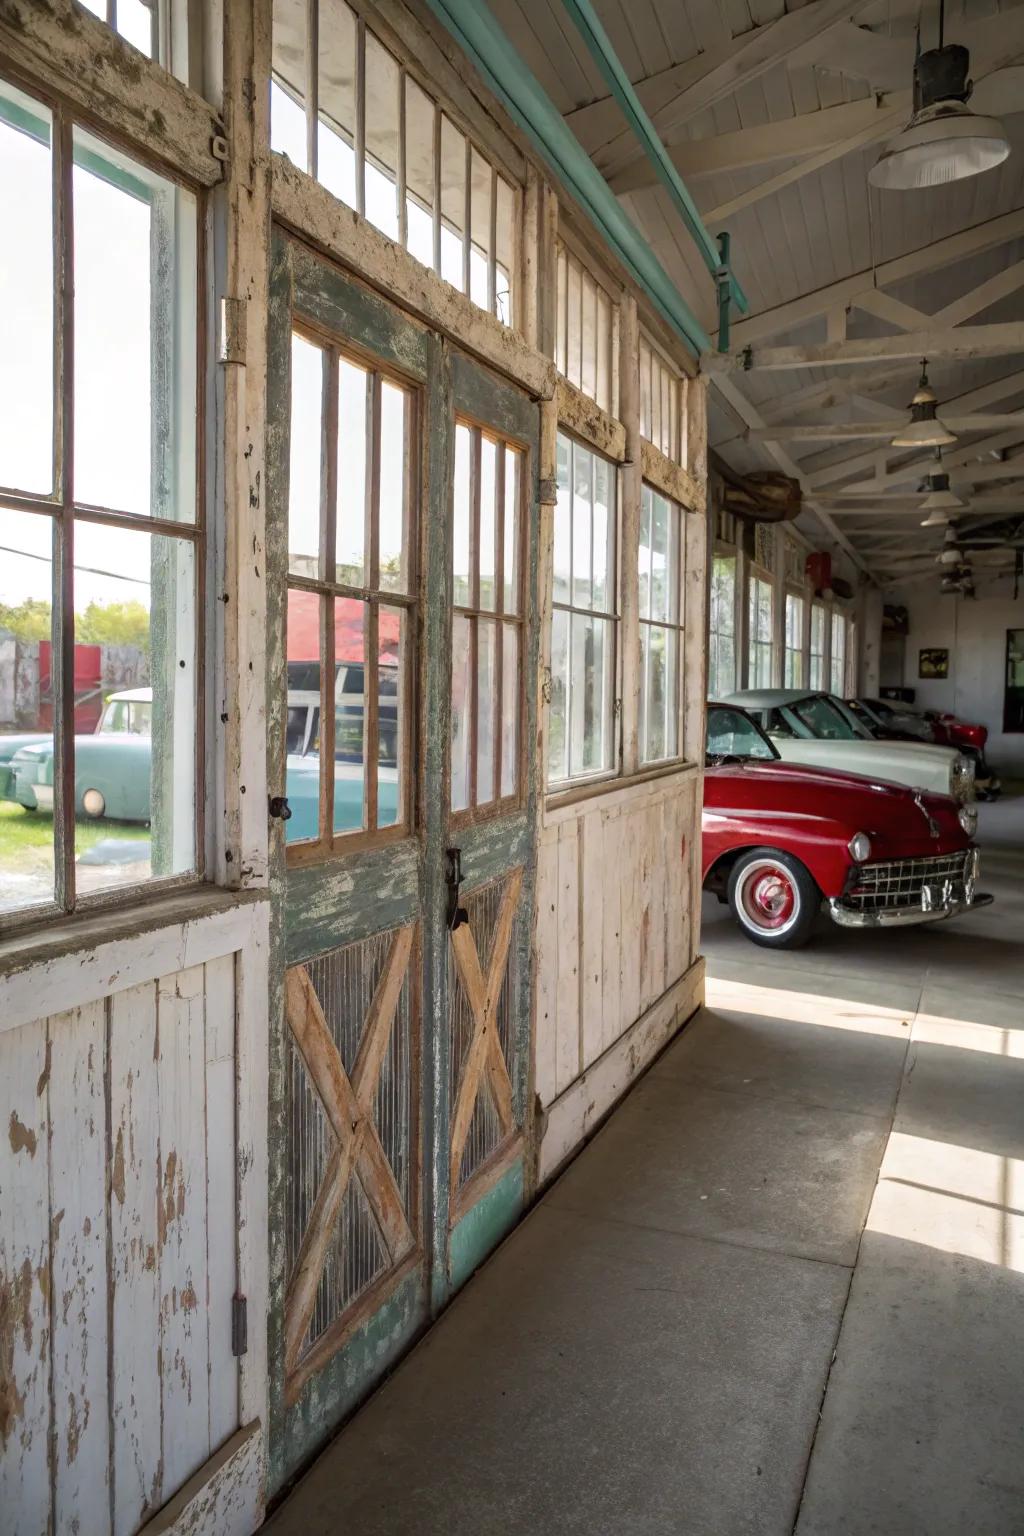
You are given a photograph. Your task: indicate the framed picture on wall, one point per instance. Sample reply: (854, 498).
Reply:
(933, 662)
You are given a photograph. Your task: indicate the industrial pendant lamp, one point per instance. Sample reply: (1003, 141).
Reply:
(945, 140)
(940, 501)
(924, 429)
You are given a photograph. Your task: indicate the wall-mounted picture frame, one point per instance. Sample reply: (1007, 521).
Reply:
(933, 662)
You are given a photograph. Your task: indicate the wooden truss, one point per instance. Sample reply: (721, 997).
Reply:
(348, 1103)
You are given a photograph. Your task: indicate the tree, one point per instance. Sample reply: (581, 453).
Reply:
(27, 621)
(114, 624)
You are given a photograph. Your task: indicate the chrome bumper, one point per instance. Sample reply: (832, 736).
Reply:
(904, 917)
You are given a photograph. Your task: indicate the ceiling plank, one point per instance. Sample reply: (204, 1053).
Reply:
(969, 341)
(893, 311)
(981, 298)
(911, 468)
(966, 243)
(848, 431)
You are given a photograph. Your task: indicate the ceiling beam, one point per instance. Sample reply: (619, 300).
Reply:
(912, 467)
(887, 506)
(966, 243)
(983, 297)
(968, 341)
(850, 431)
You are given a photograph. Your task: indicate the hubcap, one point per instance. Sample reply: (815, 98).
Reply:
(768, 897)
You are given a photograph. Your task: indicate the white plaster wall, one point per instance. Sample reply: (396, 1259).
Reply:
(974, 632)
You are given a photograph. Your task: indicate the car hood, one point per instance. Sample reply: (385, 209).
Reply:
(904, 762)
(783, 792)
(11, 744)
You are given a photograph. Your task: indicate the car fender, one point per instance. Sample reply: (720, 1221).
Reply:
(819, 842)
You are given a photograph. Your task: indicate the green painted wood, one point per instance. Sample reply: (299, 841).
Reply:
(352, 313)
(330, 904)
(482, 1229)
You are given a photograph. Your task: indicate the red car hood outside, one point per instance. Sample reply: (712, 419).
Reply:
(897, 826)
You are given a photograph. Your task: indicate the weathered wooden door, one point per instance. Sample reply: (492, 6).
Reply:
(401, 478)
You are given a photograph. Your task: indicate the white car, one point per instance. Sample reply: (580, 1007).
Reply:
(817, 729)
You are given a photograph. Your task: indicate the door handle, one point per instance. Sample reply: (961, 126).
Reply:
(453, 879)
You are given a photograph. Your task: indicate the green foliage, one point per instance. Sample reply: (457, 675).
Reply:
(27, 621)
(114, 624)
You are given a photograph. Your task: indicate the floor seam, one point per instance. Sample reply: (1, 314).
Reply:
(700, 1237)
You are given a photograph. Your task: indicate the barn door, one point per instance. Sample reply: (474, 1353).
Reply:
(490, 810)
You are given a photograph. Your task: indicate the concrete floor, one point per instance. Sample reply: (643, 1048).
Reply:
(782, 1290)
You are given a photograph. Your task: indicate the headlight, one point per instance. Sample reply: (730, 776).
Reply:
(860, 847)
(968, 815)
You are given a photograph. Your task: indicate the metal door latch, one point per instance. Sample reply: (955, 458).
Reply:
(453, 879)
(278, 808)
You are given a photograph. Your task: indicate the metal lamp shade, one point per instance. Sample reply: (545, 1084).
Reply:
(942, 143)
(923, 430)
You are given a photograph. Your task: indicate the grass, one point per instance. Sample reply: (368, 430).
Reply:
(26, 838)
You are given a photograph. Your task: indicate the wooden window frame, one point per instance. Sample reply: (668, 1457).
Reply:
(670, 381)
(310, 106)
(834, 614)
(64, 513)
(722, 550)
(567, 255)
(799, 595)
(575, 781)
(758, 573)
(679, 625)
(501, 805)
(825, 651)
(329, 843)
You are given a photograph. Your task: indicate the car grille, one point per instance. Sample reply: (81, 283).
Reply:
(899, 882)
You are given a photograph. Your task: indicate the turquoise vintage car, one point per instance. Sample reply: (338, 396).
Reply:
(9, 745)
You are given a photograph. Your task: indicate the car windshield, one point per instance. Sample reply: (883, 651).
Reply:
(825, 721)
(127, 717)
(732, 734)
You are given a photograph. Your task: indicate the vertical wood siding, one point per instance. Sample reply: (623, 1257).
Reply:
(117, 1252)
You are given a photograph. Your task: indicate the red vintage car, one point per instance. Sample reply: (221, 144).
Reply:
(781, 841)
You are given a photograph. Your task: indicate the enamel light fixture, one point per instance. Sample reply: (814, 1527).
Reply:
(940, 501)
(924, 429)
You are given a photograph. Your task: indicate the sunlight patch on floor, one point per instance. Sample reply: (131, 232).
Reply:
(812, 1007)
(952, 1198)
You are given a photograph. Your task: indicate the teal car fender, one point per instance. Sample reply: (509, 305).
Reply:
(117, 768)
(302, 789)
(9, 745)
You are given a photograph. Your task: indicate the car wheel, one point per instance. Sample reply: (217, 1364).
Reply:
(773, 898)
(93, 803)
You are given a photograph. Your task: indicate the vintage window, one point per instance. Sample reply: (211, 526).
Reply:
(761, 629)
(764, 546)
(838, 663)
(793, 675)
(722, 678)
(101, 526)
(584, 616)
(816, 660)
(138, 21)
(351, 598)
(661, 402)
(662, 555)
(487, 624)
(585, 325)
(344, 109)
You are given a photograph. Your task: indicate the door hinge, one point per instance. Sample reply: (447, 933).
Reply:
(231, 342)
(239, 1325)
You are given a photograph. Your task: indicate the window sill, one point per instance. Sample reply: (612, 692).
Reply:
(55, 936)
(565, 799)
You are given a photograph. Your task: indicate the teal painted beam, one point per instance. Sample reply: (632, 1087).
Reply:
(607, 60)
(479, 36)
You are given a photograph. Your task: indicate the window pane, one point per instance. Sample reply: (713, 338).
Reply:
(604, 534)
(504, 252)
(135, 336)
(558, 709)
(590, 709)
(573, 364)
(561, 309)
(381, 138)
(353, 429)
(646, 541)
(462, 507)
(480, 229)
(350, 620)
(603, 393)
(419, 173)
(135, 600)
(302, 724)
(488, 514)
(656, 645)
(453, 203)
(336, 94)
(513, 471)
(26, 295)
(135, 24)
(287, 121)
(391, 643)
(26, 709)
(461, 709)
(582, 527)
(486, 692)
(588, 360)
(661, 575)
(394, 488)
(509, 709)
(305, 449)
(562, 555)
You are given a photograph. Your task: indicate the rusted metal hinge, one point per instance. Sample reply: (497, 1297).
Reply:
(231, 347)
(239, 1325)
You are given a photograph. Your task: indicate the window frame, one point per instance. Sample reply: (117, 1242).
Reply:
(794, 594)
(501, 805)
(64, 512)
(678, 625)
(823, 656)
(837, 614)
(722, 550)
(330, 843)
(757, 575)
(573, 782)
(569, 254)
(658, 365)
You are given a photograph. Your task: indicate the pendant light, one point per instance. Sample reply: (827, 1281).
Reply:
(944, 140)
(940, 501)
(924, 429)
